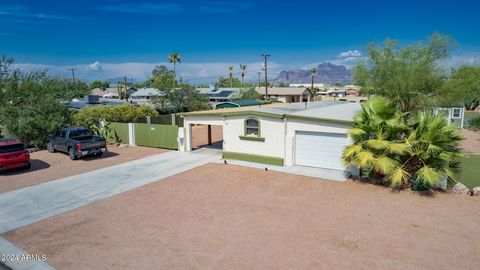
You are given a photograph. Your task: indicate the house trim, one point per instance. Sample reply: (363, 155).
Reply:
(253, 158)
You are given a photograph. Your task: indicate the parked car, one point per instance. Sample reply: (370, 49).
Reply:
(76, 142)
(13, 154)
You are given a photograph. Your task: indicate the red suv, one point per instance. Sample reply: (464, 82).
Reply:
(13, 154)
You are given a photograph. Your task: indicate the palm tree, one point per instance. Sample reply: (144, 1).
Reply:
(174, 58)
(243, 68)
(230, 75)
(420, 154)
(313, 92)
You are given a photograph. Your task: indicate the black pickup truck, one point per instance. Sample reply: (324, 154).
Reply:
(77, 142)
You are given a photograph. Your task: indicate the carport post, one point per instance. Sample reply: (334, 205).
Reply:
(209, 134)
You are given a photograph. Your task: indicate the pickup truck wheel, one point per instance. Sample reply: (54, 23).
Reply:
(28, 166)
(71, 154)
(50, 147)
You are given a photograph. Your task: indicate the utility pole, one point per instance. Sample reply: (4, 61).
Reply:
(125, 85)
(265, 57)
(259, 80)
(73, 73)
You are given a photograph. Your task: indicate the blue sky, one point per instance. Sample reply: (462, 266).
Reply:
(106, 37)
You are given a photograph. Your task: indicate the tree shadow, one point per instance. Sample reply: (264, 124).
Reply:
(37, 165)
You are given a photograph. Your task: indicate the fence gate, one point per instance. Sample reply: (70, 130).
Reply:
(153, 135)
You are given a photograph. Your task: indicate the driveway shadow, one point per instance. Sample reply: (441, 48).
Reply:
(37, 165)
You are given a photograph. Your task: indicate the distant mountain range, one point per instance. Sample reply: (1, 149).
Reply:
(327, 73)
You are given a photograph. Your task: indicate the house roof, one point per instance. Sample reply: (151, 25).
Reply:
(282, 91)
(146, 92)
(241, 103)
(334, 111)
(221, 94)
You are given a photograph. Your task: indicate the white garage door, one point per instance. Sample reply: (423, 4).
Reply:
(316, 149)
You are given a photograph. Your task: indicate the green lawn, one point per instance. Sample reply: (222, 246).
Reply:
(470, 176)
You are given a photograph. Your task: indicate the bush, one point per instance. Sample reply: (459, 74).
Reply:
(31, 105)
(88, 117)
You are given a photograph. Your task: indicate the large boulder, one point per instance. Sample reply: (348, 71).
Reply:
(476, 191)
(461, 189)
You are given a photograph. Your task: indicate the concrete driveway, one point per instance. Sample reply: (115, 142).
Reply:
(31, 204)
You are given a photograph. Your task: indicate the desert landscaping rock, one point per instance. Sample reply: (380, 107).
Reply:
(461, 189)
(476, 191)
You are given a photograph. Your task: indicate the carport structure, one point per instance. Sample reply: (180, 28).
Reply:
(190, 122)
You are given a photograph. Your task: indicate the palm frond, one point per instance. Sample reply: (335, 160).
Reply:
(378, 144)
(385, 165)
(364, 159)
(398, 177)
(399, 148)
(427, 175)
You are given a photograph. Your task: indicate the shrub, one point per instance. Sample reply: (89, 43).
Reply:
(418, 154)
(88, 117)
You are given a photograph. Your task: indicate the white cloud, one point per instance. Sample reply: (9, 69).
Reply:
(96, 66)
(195, 73)
(350, 53)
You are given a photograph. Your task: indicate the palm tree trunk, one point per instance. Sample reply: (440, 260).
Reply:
(174, 74)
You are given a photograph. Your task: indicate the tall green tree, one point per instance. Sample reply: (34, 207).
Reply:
(226, 82)
(407, 75)
(32, 105)
(174, 58)
(462, 88)
(99, 84)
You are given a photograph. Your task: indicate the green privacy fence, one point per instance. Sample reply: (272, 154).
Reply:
(164, 119)
(153, 135)
(121, 129)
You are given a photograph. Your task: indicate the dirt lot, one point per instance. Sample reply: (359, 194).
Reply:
(200, 135)
(471, 144)
(230, 217)
(47, 166)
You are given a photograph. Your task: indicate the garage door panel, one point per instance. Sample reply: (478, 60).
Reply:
(316, 149)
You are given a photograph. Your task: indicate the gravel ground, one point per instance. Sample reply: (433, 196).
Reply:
(231, 217)
(47, 166)
(471, 144)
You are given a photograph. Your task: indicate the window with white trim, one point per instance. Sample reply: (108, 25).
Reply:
(456, 113)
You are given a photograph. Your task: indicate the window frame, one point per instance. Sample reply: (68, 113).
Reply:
(459, 113)
(246, 127)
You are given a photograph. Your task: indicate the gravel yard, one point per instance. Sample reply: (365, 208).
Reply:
(231, 217)
(50, 166)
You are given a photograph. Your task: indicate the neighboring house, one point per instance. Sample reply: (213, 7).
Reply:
(238, 103)
(454, 115)
(110, 95)
(315, 85)
(102, 91)
(284, 135)
(145, 95)
(219, 94)
(286, 94)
